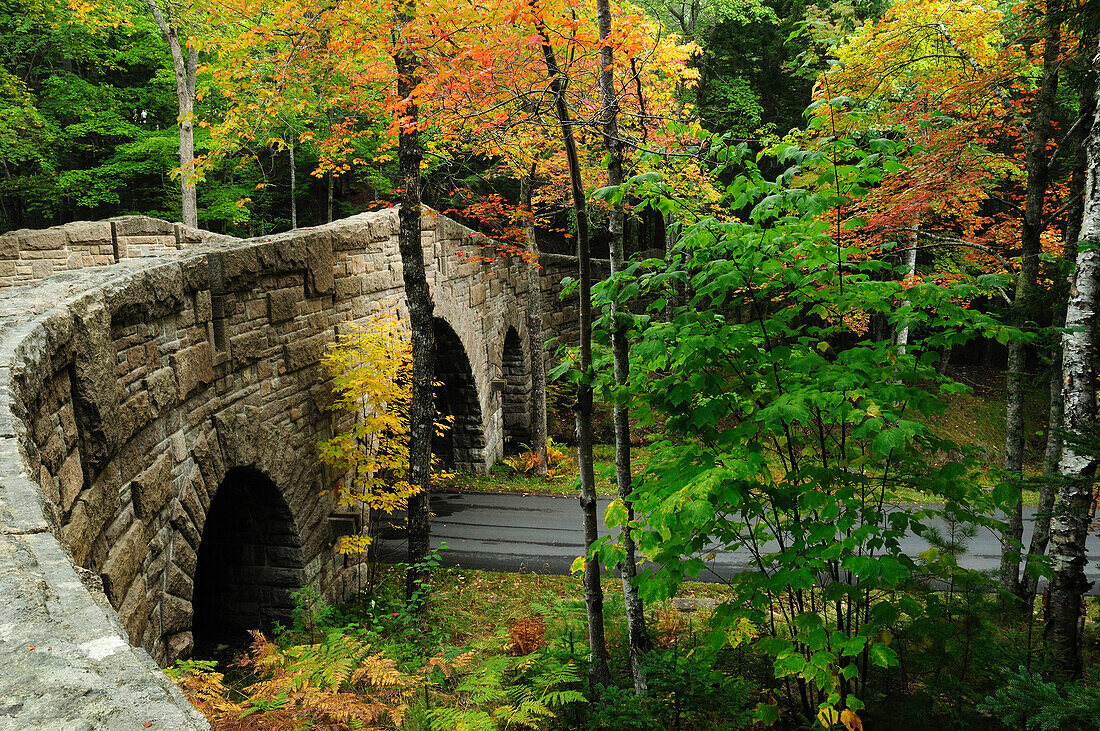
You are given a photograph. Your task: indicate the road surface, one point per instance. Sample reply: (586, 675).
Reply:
(543, 534)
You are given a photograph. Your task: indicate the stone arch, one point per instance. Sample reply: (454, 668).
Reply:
(249, 560)
(462, 447)
(516, 396)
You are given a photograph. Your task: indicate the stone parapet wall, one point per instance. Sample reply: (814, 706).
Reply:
(560, 318)
(30, 255)
(129, 391)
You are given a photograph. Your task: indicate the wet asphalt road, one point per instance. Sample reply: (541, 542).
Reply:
(543, 534)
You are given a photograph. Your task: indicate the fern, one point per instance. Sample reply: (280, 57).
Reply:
(459, 719)
(339, 683)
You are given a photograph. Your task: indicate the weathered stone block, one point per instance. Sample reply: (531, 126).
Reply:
(162, 387)
(282, 305)
(134, 611)
(95, 389)
(183, 555)
(53, 451)
(180, 519)
(134, 413)
(91, 514)
(143, 226)
(194, 367)
(247, 347)
(45, 240)
(123, 562)
(176, 614)
(203, 309)
(477, 295)
(319, 263)
(348, 287)
(49, 486)
(71, 480)
(9, 246)
(179, 583)
(134, 455)
(304, 352)
(208, 457)
(89, 232)
(41, 269)
(152, 489)
(180, 646)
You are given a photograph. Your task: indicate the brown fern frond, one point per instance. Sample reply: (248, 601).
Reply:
(528, 634)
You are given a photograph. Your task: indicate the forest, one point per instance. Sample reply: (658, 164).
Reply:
(852, 300)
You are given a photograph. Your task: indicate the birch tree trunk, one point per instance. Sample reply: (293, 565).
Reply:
(185, 69)
(1073, 502)
(293, 192)
(539, 433)
(1036, 165)
(598, 673)
(1040, 535)
(328, 209)
(902, 339)
(421, 308)
(620, 349)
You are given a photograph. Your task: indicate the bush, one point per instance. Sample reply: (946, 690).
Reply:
(1028, 701)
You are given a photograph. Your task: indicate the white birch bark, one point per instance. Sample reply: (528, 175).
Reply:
(1077, 466)
(186, 69)
(910, 272)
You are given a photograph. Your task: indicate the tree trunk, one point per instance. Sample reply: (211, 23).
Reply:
(185, 71)
(620, 351)
(293, 192)
(1040, 535)
(1036, 166)
(902, 339)
(421, 308)
(598, 673)
(1073, 503)
(328, 209)
(534, 332)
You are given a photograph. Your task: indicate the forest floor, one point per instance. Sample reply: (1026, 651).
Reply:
(975, 420)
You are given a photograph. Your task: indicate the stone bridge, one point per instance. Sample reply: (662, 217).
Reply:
(161, 402)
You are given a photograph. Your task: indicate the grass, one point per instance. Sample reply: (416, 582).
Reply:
(475, 608)
(502, 478)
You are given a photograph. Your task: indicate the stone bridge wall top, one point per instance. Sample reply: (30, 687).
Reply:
(30, 255)
(128, 391)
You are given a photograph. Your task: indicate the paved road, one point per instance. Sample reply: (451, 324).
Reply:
(542, 534)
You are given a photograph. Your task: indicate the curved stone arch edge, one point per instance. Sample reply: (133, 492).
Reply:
(67, 660)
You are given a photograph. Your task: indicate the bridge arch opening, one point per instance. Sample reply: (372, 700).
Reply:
(249, 561)
(462, 446)
(516, 406)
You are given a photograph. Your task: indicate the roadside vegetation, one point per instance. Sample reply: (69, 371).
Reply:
(497, 651)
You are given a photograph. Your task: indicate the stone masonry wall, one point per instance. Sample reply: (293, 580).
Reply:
(28, 256)
(560, 323)
(128, 392)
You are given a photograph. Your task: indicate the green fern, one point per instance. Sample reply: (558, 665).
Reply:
(459, 719)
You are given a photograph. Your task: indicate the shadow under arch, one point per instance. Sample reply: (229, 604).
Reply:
(462, 447)
(516, 401)
(249, 561)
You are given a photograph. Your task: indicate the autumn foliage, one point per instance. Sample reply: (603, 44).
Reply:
(371, 366)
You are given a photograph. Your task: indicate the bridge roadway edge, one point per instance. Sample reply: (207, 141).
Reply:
(120, 411)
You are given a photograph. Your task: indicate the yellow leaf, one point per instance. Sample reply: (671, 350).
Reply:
(850, 720)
